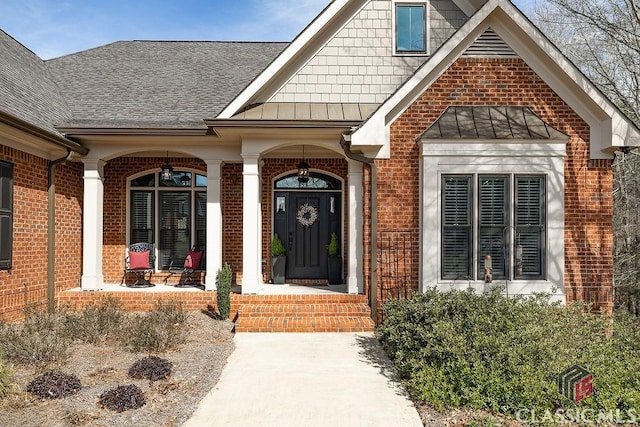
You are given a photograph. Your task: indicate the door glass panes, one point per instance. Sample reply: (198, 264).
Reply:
(175, 227)
(141, 210)
(201, 180)
(144, 181)
(410, 28)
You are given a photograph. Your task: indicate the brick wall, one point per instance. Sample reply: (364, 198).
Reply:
(27, 281)
(588, 184)
(139, 300)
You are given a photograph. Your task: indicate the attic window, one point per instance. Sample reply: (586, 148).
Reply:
(410, 28)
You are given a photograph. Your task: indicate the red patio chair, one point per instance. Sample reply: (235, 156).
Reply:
(191, 264)
(140, 260)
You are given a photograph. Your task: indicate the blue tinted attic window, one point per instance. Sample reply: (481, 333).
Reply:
(410, 28)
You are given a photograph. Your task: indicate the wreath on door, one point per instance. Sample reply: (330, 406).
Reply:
(307, 215)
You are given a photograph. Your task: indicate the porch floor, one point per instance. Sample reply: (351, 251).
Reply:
(266, 289)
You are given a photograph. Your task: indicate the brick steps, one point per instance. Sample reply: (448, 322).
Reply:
(302, 313)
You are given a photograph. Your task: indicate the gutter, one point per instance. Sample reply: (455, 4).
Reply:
(345, 143)
(51, 229)
(58, 140)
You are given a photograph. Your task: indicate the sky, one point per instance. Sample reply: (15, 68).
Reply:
(53, 28)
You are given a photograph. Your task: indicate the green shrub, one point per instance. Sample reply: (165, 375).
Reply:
(459, 349)
(38, 341)
(158, 330)
(333, 249)
(223, 283)
(277, 248)
(96, 323)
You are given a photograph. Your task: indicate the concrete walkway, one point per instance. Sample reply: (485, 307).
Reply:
(306, 379)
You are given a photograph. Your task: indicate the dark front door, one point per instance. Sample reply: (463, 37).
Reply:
(304, 221)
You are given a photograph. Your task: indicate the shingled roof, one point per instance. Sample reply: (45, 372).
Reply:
(27, 90)
(157, 84)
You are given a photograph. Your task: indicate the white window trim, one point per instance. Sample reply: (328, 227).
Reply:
(490, 157)
(157, 188)
(427, 17)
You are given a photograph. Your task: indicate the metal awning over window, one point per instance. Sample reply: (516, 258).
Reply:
(491, 122)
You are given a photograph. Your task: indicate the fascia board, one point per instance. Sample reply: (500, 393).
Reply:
(469, 7)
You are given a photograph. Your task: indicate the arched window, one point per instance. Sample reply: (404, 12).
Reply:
(317, 181)
(172, 215)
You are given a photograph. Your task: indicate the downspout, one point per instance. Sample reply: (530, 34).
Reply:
(51, 229)
(345, 143)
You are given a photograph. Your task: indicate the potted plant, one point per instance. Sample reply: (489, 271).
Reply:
(278, 260)
(334, 262)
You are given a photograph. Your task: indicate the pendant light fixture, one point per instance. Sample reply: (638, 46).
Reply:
(303, 170)
(166, 174)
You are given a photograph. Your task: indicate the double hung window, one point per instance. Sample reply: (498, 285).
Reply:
(496, 217)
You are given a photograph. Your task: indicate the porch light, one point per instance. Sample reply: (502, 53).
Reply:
(166, 175)
(303, 170)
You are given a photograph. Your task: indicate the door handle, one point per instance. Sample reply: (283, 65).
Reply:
(290, 241)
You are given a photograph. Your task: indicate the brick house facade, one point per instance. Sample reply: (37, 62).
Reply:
(369, 108)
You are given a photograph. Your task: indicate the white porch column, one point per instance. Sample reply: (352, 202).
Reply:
(251, 225)
(214, 223)
(92, 225)
(355, 275)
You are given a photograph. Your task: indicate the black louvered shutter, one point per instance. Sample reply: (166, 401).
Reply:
(6, 215)
(142, 204)
(493, 218)
(456, 227)
(530, 231)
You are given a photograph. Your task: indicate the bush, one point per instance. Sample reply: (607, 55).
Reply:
(277, 248)
(96, 323)
(5, 378)
(54, 385)
(333, 249)
(223, 283)
(159, 330)
(459, 349)
(38, 341)
(123, 398)
(152, 368)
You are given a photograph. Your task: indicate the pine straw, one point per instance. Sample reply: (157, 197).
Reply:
(196, 368)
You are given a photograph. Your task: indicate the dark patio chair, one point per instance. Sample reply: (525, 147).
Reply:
(140, 260)
(190, 265)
